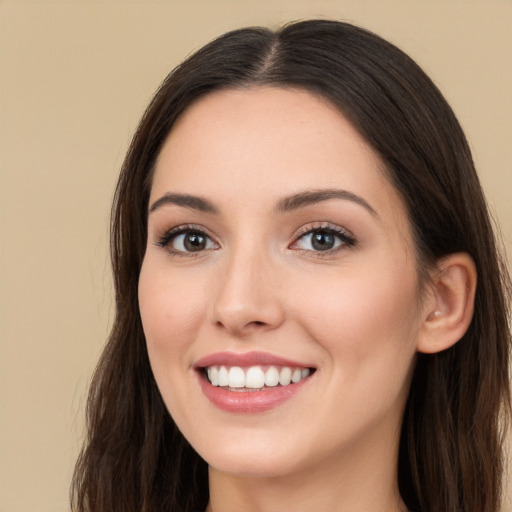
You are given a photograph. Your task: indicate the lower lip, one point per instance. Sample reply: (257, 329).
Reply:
(249, 401)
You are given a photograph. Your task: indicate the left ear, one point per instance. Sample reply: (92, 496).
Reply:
(449, 309)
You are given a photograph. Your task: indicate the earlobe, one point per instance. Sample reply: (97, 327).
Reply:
(450, 307)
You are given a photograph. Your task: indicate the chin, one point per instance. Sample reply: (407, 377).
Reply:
(255, 467)
(250, 459)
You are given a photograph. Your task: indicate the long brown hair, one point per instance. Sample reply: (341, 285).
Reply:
(451, 458)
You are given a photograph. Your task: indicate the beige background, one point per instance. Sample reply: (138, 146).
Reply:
(75, 77)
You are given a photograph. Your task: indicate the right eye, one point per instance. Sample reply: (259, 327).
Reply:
(187, 240)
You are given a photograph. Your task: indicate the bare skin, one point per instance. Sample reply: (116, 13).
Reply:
(247, 188)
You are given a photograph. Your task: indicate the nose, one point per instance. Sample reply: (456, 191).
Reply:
(248, 295)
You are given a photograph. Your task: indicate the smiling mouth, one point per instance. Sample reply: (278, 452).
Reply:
(254, 378)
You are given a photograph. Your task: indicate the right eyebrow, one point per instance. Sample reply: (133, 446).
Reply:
(186, 200)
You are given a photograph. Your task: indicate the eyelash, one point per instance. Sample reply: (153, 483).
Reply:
(345, 239)
(172, 234)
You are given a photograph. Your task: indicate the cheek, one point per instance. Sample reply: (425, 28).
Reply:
(367, 321)
(171, 309)
(370, 350)
(171, 313)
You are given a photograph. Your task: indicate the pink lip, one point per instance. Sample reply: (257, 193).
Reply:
(247, 359)
(247, 401)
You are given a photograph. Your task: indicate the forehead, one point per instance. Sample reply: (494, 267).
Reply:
(259, 144)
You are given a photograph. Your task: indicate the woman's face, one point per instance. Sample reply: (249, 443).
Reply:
(277, 252)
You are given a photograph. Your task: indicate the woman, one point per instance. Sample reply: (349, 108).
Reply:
(311, 310)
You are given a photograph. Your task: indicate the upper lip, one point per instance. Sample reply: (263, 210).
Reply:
(247, 359)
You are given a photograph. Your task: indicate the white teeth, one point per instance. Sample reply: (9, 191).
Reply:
(271, 377)
(213, 375)
(296, 375)
(223, 376)
(285, 376)
(236, 377)
(255, 377)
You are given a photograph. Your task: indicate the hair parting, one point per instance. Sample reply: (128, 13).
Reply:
(451, 448)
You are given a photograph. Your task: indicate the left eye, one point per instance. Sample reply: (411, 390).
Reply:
(321, 240)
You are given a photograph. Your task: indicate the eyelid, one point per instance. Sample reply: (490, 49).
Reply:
(164, 240)
(346, 237)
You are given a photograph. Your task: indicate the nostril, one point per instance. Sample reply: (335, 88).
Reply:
(243, 317)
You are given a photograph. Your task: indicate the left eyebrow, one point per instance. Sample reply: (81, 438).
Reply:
(310, 197)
